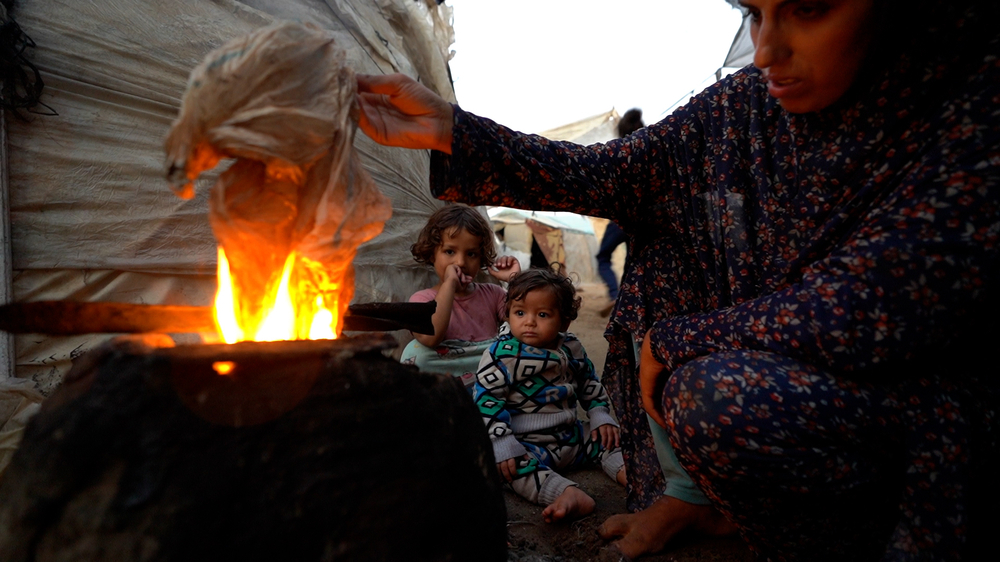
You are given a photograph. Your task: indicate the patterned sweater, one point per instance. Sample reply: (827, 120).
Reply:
(524, 389)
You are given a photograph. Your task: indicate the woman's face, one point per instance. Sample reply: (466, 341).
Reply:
(810, 51)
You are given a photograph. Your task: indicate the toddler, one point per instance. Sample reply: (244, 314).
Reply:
(527, 388)
(458, 243)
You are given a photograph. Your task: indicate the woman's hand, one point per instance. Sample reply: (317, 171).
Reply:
(649, 374)
(398, 111)
(504, 268)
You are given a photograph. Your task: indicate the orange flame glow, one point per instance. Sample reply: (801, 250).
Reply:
(293, 311)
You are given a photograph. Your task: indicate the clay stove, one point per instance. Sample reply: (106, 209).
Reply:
(294, 450)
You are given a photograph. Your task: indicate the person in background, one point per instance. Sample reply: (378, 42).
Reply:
(527, 388)
(813, 284)
(614, 236)
(457, 242)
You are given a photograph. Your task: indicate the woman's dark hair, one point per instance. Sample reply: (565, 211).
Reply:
(630, 122)
(915, 35)
(538, 278)
(452, 218)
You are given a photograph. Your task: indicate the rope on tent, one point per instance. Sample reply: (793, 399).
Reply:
(20, 82)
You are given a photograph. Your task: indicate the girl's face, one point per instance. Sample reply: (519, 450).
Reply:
(458, 247)
(810, 51)
(535, 319)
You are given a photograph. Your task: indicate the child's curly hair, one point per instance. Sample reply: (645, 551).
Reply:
(538, 278)
(448, 219)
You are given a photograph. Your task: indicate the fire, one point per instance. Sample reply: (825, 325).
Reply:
(293, 311)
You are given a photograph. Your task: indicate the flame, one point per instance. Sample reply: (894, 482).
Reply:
(294, 311)
(224, 367)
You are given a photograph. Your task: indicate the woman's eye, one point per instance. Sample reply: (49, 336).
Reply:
(808, 11)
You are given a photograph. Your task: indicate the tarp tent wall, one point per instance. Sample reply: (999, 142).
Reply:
(741, 50)
(565, 238)
(597, 129)
(91, 215)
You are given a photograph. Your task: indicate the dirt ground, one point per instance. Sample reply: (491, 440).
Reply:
(533, 540)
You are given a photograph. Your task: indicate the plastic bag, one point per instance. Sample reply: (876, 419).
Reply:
(282, 102)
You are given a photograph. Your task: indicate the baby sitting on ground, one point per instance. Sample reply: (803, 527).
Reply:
(527, 388)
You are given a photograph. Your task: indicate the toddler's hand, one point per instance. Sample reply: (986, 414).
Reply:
(505, 267)
(609, 435)
(508, 469)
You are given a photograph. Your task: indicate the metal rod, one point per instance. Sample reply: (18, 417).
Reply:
(64, 318)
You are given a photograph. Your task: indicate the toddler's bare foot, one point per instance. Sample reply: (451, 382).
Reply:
(621, 478)
(650, 530)
(571, 504)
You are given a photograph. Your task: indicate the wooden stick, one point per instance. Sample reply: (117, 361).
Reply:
(64, 318)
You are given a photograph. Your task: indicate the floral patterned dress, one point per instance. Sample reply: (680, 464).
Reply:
(822, 289)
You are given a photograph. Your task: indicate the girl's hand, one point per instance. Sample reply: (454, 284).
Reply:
(649, 374)
(504, 268)
(398, 111)
(609, 435)
(457, 277)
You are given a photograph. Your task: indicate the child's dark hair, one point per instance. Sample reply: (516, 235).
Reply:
(452, 217)
(538, 278)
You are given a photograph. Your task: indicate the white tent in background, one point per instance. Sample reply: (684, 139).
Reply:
(550, 238)
(741, 51)
(596, 129)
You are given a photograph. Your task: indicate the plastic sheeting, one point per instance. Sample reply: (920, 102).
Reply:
(564, 238)
(92, 216)
(597, 129)
(741, 51)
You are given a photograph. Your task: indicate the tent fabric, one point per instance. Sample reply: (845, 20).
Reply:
(92, 217)
(741, 51)
(553, 219)
(550, 241)
(564, 238)
(591, 130)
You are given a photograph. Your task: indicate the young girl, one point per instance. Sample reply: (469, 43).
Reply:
(527, 388)
(458, 243)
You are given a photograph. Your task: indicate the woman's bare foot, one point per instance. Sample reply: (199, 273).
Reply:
(650, 530)
(572, 503)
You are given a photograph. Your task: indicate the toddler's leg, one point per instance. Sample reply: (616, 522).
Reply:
(611, 460)
(539, 484)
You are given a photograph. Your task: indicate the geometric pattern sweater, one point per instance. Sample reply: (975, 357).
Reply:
(525, 389)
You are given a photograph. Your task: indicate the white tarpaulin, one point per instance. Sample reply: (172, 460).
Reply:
(565, 238)
(597, 129)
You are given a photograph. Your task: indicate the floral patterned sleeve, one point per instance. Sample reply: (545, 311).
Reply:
(493, 165)
(911, 273)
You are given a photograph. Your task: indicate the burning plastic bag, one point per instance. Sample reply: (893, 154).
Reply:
(282, 102)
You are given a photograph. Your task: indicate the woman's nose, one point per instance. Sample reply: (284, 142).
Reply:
(770, 44)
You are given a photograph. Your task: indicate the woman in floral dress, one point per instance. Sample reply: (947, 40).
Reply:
(811, 292)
